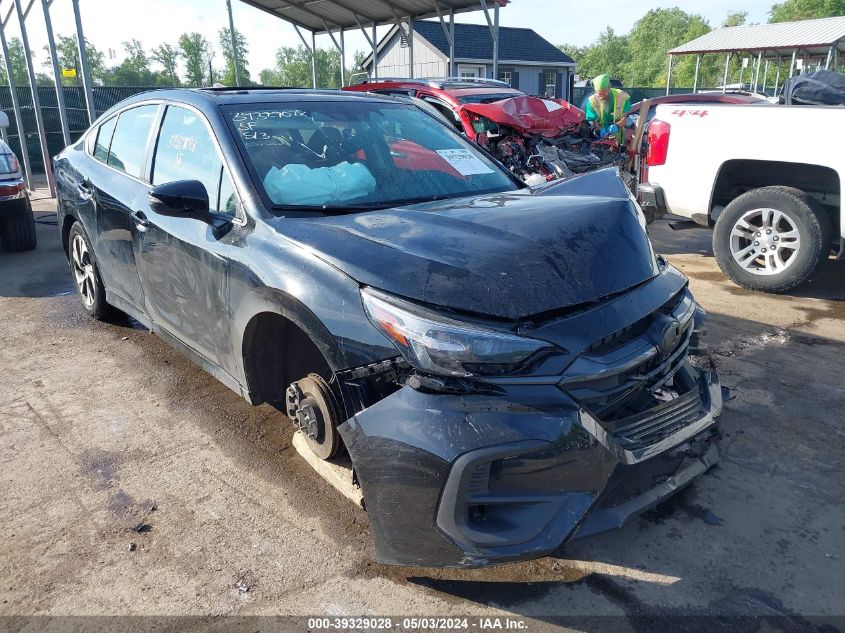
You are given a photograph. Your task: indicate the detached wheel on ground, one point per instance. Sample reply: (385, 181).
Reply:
(771, 239)
(17, 231)
(86, 276)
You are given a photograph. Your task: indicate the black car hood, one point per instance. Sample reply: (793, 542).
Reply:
(503, 255)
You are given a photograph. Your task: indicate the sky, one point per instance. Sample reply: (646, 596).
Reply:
(107, 23)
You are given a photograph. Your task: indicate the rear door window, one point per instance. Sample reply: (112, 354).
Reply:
(103, 142)
(186, 151)
(129, 142)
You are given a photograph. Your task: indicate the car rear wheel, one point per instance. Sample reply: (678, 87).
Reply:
(86, 276)
(771, 239)
(18, 231)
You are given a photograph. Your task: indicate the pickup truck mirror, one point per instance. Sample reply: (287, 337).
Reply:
(182, 197)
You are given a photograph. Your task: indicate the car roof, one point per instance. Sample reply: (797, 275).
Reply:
(465, 92)
(229, 96)
(456, 88)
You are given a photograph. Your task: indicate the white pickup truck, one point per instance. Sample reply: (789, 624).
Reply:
(768, 178)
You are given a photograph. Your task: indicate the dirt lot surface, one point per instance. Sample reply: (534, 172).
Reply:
(134, 483)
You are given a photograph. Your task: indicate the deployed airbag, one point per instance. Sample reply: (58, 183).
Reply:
(301, 185)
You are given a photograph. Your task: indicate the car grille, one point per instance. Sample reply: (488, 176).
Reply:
(634, 389)
(644, 429)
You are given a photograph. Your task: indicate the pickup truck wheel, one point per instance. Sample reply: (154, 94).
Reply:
(17, 232)
(771, 239)
(86, 276)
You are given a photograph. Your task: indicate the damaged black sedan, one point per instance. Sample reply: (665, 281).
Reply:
(508, 368)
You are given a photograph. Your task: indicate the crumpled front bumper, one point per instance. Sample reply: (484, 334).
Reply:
(484, 478)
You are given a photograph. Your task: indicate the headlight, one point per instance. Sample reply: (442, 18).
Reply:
(436, 344)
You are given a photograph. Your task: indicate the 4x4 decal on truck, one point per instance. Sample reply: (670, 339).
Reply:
(682, 112)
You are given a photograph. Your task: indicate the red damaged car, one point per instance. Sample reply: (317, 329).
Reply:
(536, 139)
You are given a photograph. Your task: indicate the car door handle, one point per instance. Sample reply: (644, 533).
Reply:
(86, 192)
(141, 220)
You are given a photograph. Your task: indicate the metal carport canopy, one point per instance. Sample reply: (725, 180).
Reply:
(330, 16)
(823, 37)
(816, 37)
(323, 16)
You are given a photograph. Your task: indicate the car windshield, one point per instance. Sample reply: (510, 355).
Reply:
(489, 97)
(354, 154)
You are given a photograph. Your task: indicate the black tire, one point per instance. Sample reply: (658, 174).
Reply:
(18, 231)
(93, 297)
(808, 218)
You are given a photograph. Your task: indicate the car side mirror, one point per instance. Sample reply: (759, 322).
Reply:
(182, 197)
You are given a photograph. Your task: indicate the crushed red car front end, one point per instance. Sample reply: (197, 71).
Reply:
(540, 139)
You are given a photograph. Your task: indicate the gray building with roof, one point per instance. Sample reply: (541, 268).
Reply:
(526, 61)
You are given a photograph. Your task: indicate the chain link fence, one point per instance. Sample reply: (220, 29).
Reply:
(77, 114)
(637, 94)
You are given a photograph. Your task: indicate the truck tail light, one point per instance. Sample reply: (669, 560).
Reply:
(658, 142)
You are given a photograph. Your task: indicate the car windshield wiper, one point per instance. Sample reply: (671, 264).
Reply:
(373, 206)
(351, 208)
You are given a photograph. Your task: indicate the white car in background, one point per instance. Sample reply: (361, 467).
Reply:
(17, 222)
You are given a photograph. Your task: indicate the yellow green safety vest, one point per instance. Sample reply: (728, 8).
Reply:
(619, 96)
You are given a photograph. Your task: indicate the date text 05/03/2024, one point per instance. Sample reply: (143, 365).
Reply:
(421, 623)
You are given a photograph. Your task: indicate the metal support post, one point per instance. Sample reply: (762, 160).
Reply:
(496, 39)
(725, 76)
(375, 53)
(342, 60)
(314, 59)
(695, 77)
(27, 168)
(452, 67)
(83, 64)
(57, 73)
(411, 46)
(339, 46)
(765, 76)
(494, 33)
(312, 50)
(234, 43)
(669, 74)
(757, 70)
(36, 103)
(792, 63)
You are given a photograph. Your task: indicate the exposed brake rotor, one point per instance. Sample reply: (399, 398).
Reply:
(312, 407)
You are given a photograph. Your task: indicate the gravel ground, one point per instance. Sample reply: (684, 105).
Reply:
(134, 483)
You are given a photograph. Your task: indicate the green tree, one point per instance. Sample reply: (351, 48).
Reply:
(791, 10)
(168, 57)
(657, 32)
(68, 56)
(357, 72)
(607, 55)
(17, 58)
(577, 53)
(134, 70)
(735, 18)
(196, 51)
(293, 68)
(240, 53)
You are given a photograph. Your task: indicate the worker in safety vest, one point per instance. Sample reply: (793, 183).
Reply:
(607, 106)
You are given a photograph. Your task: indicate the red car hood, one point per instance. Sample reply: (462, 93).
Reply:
(530, 115)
